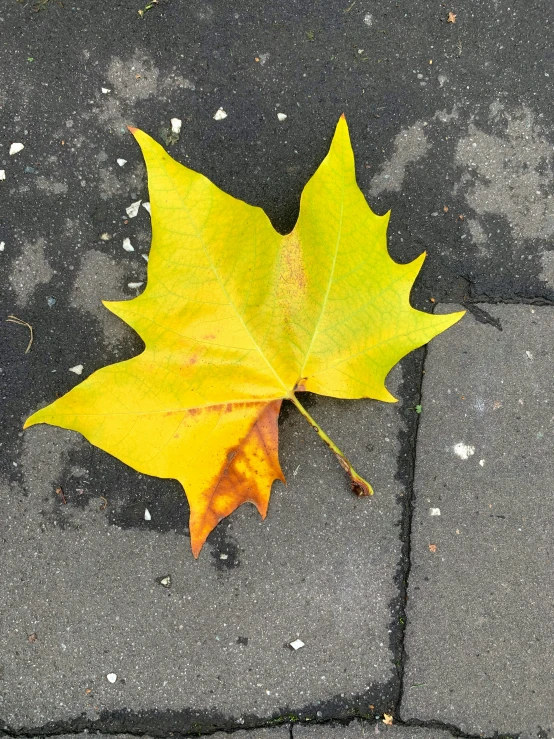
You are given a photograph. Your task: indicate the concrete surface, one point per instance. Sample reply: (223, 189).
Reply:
(364, 730)
(481, 608)
(452, 127)
(320, 568)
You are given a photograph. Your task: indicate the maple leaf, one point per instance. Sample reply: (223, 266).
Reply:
(236, 317)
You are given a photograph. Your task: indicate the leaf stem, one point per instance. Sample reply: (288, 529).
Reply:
(359, 486)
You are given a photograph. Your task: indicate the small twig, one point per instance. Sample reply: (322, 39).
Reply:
(59, 491)
(20, 322)
(104, 504)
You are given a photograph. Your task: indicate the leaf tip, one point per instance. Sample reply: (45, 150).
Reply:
(342, 118)
(132, 129)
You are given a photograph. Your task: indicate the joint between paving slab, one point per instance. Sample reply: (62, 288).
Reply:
(406, 473)
(273, 723)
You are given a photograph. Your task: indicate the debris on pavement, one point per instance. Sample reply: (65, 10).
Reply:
(127, 245)
(297, 644)
(16, 148)
(78, 369)
(133, 209)
(220, 115)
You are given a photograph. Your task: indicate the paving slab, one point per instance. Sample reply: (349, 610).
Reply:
(481, 605)
(84, 595)
(365, 730)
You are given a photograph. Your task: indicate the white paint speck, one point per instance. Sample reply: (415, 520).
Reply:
(146, 206)
(282, 116)
(296, 471)
(434, 511)
(223, 556)
(105, 236)
(105, 90)
(16, 148)
(111, 677)
(2, 245)
(220, 115)
(121, 162)
(297, 644)
(529, 355)
(2, 174)
(176, 124)
(134, 285)
(78, 369)
(481, 462)
(127, 245)
(464, 451)
(368, 20)
(133, 209)
(147, 516)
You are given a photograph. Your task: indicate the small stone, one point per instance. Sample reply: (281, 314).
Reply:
(220, 115)
(166, 581)
(134, 285)
(133, 209)
(121, 162)
(223, 556)
(176, 124)
(2, 174)
(105, 90)
(16, 148)
(297, 644)
(434, 511)
(111, 677)
(282, 116)
(2, 245)
(78, 369)
(146, 206)
(147, 516)
(127, 245)
(105, 236)
(51, 301)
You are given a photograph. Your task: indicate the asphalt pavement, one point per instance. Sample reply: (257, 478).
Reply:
(424, 612)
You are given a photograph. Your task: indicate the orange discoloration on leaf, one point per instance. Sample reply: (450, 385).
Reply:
(245, 477)
(234, 318)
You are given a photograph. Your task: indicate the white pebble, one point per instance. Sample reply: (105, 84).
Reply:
(121, 162)
(15, 148)
(111, 677)
(2, 245)
(2, 174)
(133, 209)
(146, 206)
(105, 236)
(297, 644)
(481, 463)
(220, 115)
(147, 516)
(368, 19)
(105, 90)
(127, 245)
(134, 285)
(223, 556)
(145, 257)
(176, 124)
(434, 511)
(78, 369)
(282, 116)
(166, 581)
(464, 451)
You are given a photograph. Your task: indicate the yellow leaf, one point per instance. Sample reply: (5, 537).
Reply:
(235, 317)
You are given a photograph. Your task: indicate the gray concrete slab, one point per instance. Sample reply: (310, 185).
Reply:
(481, 599)
(365, 730)
(213, 646)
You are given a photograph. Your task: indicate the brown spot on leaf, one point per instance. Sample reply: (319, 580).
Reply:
(246, 476)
